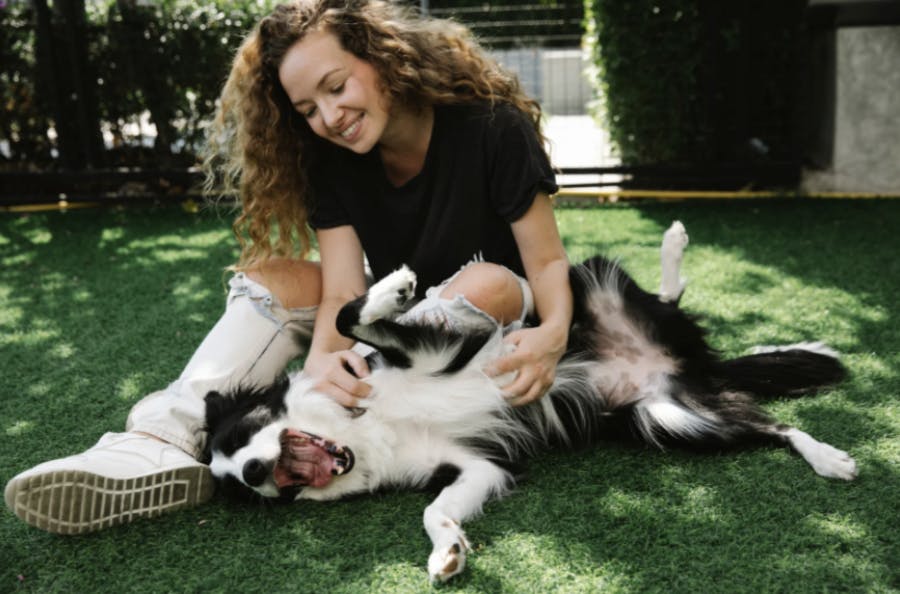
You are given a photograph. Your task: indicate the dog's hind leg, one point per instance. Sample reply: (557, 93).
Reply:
(826, 460)
(478, 481)
(733, 419)
(672, 285)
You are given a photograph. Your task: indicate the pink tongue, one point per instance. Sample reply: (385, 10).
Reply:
(302, 463)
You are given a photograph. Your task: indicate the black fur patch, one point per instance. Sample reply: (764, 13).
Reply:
(716, 397)
(782, 373)
(234, 417)
(442, 476)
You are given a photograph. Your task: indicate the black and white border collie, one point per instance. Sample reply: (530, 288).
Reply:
(636, 367)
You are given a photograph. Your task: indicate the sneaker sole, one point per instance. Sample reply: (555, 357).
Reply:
(76, 502)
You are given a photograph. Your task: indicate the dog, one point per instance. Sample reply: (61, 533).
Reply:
(637, 367)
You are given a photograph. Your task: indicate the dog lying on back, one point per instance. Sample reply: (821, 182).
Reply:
(636, 367)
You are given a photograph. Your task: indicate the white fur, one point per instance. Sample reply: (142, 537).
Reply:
(263, 445)
(826, 460)
(412, 423)
(386, 296)
(814, 347)
(672, 285)
(417, 418)
(479, 481)
(657, 413)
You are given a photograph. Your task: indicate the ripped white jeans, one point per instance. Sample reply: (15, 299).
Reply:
(254, 341)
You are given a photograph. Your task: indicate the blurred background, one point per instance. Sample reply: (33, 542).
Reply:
(108, 99)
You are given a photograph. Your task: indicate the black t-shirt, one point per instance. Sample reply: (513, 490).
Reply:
(482, 171)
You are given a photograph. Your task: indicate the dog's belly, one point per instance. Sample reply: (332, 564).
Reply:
(628, 363)
(620, 382)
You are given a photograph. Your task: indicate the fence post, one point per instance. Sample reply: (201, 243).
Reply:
(64, 71)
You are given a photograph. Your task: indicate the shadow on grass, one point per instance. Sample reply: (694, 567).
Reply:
(851, 246)
(784, 272)
(101, 307)
(698, 528)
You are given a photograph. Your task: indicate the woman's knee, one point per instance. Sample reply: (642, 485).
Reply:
(492, 288)
(295, 283)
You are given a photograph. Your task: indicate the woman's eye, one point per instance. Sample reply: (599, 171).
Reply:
(308, 113)
(338, 89)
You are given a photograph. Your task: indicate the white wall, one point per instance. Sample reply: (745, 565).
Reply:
(553, 76)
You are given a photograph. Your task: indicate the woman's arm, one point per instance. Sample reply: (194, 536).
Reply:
(343, 279)
(539, 349)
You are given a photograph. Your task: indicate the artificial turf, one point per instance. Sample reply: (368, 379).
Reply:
(99, 307)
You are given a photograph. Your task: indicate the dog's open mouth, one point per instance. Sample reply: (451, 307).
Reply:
(309, 460)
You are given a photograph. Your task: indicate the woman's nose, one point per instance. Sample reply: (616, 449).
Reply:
(332, 115)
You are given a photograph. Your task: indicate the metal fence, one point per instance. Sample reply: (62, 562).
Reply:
(503, 26)
(540, 42)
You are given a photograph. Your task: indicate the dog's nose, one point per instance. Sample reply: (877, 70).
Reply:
(255, 472)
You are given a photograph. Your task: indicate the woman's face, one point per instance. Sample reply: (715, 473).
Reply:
(335, 91)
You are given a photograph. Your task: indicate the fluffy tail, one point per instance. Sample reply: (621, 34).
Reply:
(781, 371)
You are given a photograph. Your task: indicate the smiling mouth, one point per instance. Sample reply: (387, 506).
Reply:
(309, 460)
(352, 129)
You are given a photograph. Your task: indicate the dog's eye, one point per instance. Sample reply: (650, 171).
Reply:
(356, 411)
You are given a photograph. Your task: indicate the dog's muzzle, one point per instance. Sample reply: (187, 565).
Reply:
(309, 460)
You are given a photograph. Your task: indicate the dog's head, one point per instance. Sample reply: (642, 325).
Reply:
(253, 450)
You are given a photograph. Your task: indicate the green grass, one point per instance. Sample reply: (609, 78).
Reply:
(100, 307)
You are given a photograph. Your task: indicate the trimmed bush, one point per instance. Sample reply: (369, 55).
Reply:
(163, 62)
(690, 82)
(24, 115)
(168, 58)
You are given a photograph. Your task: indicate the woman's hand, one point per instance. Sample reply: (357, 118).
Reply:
(330, 370)
(537, 351)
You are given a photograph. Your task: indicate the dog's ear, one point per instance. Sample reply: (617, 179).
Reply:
(218, 406)
(274, 394)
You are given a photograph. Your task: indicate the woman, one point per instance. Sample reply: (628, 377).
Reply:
(398, 141)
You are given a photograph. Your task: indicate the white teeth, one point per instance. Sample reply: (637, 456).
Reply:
(351, 130)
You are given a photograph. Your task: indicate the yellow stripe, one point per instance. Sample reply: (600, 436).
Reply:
(717, 194)
(61, 205)
(599, 195)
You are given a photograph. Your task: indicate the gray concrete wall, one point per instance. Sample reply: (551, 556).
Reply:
(866, 155)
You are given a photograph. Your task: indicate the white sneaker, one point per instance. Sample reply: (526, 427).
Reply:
(125, 476)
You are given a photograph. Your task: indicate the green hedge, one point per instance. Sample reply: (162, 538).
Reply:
(168, 57)
(683, 80)
(687, 81)
(23, 111)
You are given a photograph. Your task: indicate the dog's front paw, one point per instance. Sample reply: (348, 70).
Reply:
(388, 296)
(447, 561)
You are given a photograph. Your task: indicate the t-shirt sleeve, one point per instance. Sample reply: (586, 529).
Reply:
(325, 210)
(518, 164)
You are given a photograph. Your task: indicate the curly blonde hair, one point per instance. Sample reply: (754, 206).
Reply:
(257, 140)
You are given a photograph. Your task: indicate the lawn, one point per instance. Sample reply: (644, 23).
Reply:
(98, 307)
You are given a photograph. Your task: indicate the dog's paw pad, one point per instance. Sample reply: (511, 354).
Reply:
(388, 296)
(446, 562)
